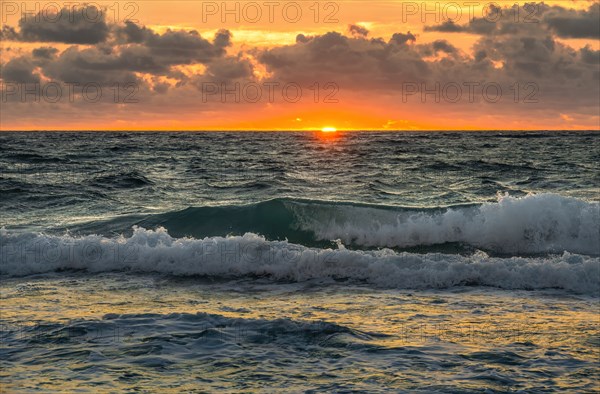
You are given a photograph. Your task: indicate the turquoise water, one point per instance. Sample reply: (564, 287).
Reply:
(241, 261)
(51, 178)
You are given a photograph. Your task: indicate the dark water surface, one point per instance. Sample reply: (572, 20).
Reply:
(448, 262)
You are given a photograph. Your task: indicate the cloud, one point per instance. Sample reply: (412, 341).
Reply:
(574, 24)
(83, 25)
(447, 27)
(402, 39)
(105, 64)
(101, 65)
(350, 61)
(589, 55)
(44, 52)
(230, 68)
(533, 58)
(8, 33)
(532, 17)
(443, 46)
(185, 47)
(19, 70)
(357, 30)
(132, 33)
(27, 68)
(170, 67)
(87, 25)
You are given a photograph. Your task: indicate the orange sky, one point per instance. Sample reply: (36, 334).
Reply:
(362, 91)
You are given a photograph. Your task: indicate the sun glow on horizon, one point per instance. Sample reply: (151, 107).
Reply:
(328, 130)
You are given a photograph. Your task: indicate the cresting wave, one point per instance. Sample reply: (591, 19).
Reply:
(543, 223)
(534, 224)
(155, 251)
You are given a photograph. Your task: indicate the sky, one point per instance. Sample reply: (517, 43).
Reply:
(300, 65)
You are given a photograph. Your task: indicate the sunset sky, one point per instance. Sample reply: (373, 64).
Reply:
(279, 65)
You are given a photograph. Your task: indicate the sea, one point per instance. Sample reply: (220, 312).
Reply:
(450, 262)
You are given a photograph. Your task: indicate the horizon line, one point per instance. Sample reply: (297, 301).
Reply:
(287, 130)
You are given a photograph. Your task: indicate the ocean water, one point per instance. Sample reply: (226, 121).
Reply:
(300, 261)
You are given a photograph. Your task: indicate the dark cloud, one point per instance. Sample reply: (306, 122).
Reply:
(563, 22)
(480, 26)
(357, 30)
(182, 47)
(447, 27)
(225, 74)
(156, 54)
(84, 25)
(303, 39)
(536, 58)
(403, 39)
(222, 40)
(533, 57)
(87, 25)
(44, 52)
(95, 65)
(116, 52)
(590, 56)
(19, 70)
(132, 33)
(349, 61)
(574, 24)
(230, 68)
(8, 33)
(443, 46)
(174, 46)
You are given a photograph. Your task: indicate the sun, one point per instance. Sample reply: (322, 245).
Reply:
(328, 129)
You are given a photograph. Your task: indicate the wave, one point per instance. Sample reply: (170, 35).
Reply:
(127, 180)
(533, 224)
(250, 255)
(543, 223)
(156, 327)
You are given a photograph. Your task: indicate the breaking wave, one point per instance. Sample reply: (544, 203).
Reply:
(534, 224)
(251, 255)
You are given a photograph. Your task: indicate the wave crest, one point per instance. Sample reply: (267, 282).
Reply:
(543, 223)
(251, 255)
(534, 224)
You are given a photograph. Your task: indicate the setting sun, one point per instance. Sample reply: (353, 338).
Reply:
(328, 129)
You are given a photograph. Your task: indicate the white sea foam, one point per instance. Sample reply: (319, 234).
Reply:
(252, 255)
(543, 223)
